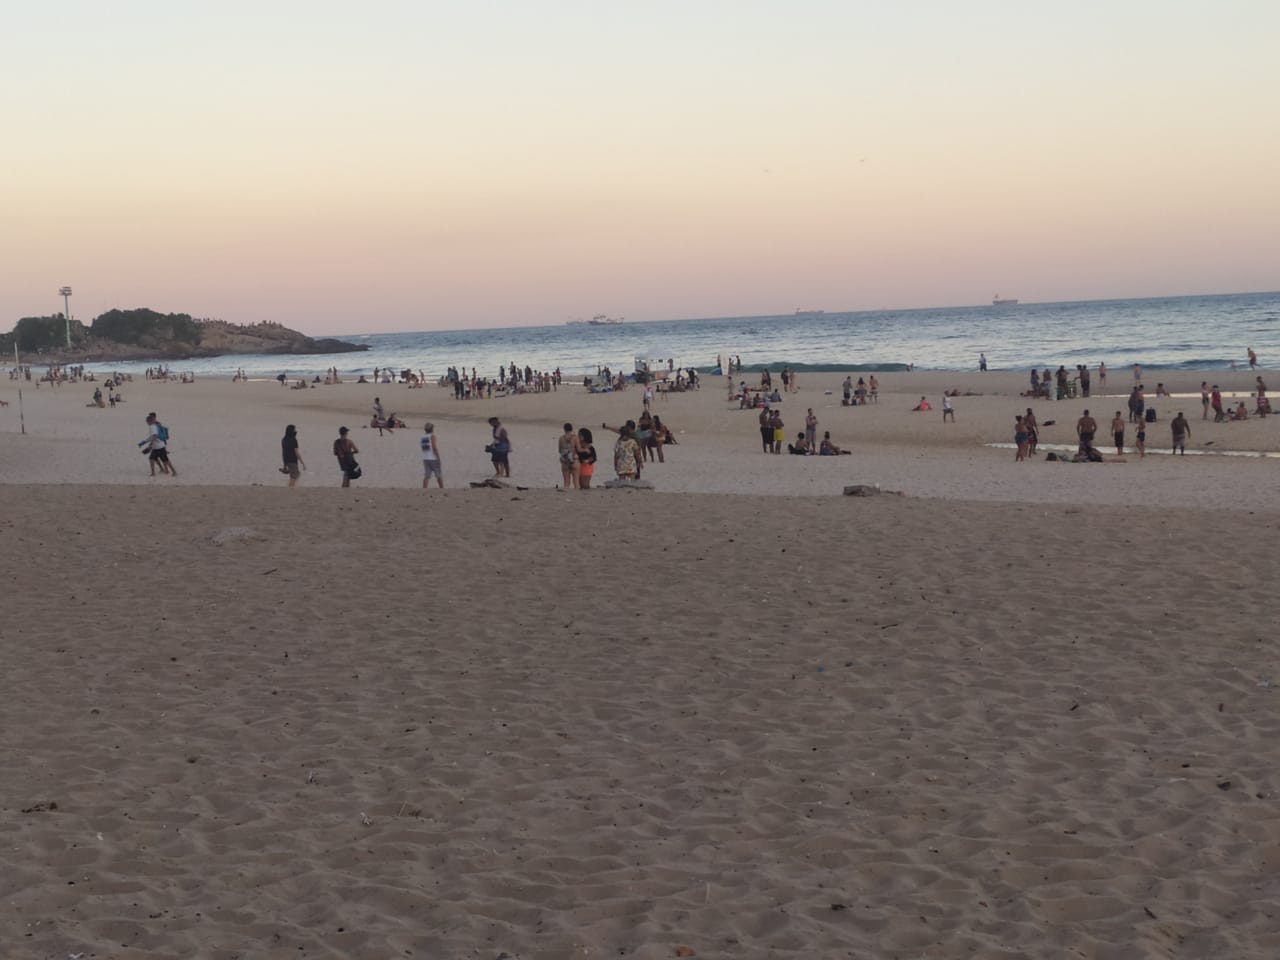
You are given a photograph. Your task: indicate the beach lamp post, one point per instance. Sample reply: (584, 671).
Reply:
(66, 310)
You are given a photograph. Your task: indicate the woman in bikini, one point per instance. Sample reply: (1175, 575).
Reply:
(567, 446)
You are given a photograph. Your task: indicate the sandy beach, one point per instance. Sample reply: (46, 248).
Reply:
(1023, 710)
(228, 434)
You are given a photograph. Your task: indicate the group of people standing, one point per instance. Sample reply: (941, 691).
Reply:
(1063, 384)
(637, 442)
(577, 457)
(345, 450)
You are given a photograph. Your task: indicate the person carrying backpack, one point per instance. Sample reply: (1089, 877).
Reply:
(156, 446)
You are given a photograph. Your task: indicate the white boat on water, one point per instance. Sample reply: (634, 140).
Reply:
(600, 320)
(997, 301)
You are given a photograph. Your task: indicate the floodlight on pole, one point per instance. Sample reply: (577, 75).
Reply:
(66, 310)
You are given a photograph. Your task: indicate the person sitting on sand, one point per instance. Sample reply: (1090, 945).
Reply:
(1161, 391)
(829, 449)
(922, 405)
(801, 447)
(1240, 413)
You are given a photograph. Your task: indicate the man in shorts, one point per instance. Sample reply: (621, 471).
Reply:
(430, 456)
(1086, 428)
(500, 449)
(1181, 430)
(157, 449)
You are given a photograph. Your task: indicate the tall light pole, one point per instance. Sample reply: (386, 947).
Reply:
(66, 310)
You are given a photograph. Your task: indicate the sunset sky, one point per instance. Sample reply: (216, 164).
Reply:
(345, 168)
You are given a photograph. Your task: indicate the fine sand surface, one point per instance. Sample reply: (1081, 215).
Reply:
(1024, 710)
(322, 723)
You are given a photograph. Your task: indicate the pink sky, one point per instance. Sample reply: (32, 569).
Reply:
(501, 165)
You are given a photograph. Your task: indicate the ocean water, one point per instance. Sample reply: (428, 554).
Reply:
(1178, 333)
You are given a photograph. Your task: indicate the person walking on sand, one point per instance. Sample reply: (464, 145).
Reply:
(290, 455)
(500, 449)
(982, 362)
(345, 450)
(811, 429)
(156, 446)
(1086, 428)
(1102, 375)
(947, 409)
(1117, 429)
(1030, 425)
(430, 456)
(1181, 431)
(1204, 399)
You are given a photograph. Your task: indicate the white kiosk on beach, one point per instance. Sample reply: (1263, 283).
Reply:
(655, 367)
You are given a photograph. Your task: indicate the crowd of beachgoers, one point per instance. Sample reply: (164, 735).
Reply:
(640, 444)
